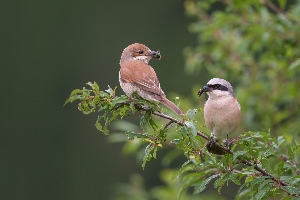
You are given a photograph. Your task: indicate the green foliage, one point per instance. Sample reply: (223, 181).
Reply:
(93, 100)
(136, 189)
(111, 107)
(260, 151)
(254, 45)
(262, 165)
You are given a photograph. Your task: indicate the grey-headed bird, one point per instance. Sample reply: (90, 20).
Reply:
(222, 111)
(136, 75)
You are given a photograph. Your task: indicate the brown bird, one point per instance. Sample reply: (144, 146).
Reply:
(137, 76)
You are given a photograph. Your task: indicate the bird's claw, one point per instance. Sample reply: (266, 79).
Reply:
(227, 143)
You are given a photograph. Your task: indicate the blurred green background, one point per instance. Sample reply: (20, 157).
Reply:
(50, 48)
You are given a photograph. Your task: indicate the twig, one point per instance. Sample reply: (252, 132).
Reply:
(273, 7)
(160, 114)
(199, 133)
(168, 124)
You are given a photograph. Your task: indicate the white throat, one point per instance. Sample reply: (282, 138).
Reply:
(218, 94)
(145, 59)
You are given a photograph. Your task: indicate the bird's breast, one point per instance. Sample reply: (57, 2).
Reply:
(222, 116)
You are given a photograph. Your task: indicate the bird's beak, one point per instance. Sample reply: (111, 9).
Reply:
(155, 54)
(205, 88)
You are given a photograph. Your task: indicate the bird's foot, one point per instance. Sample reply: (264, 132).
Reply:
(229, 142)
(213, 139)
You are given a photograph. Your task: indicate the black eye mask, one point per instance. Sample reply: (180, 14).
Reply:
(218, 87)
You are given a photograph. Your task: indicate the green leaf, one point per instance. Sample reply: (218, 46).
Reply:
(190, 180)
(153, 124)
(147, 120)
(265, 183)
(280, 141)
(257, 181)
(291, 180)
(263, 192)
(191, 113)
(240, 191)
(245, 192)
(192, 131)
(150, 152)
(235, 179)
(132, 107)
(176, 141)
(99, 126)
(295, 64)
(282, 4)
(94, 86)
(73, 96)
(110, 91)
(226, 161)
(280, 169)
(119, 100)
(292, 190)
(199, 188)
(131, 135)
(239, 154)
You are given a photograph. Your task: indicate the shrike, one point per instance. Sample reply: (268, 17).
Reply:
(222, 111)
(137, 76)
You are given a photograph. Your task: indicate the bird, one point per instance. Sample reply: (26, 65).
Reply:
(222, 112)
(137, 76)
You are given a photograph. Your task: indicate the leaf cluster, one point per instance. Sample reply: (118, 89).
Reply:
(113, 108)
(263, 166)
(255, 46)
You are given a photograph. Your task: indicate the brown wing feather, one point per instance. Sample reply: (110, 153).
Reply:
(142, 75)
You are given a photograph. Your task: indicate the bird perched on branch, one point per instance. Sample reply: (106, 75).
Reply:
(222, 112)
(137, 76)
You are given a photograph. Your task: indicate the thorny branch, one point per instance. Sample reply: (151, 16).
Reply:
(199, 133)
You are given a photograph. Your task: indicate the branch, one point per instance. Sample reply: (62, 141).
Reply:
(199, 133)
(274, 7)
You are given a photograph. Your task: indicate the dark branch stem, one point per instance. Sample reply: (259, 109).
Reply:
(168, 124)
(262, 171)
(160, 114)
(274, 7)
(246, 162)
(181, 123)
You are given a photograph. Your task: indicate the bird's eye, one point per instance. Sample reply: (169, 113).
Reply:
(217, 85)
(140, 52)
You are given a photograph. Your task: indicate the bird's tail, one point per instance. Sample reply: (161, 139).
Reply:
(172, 106)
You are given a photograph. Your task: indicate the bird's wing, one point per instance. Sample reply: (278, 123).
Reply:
(141, 74)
